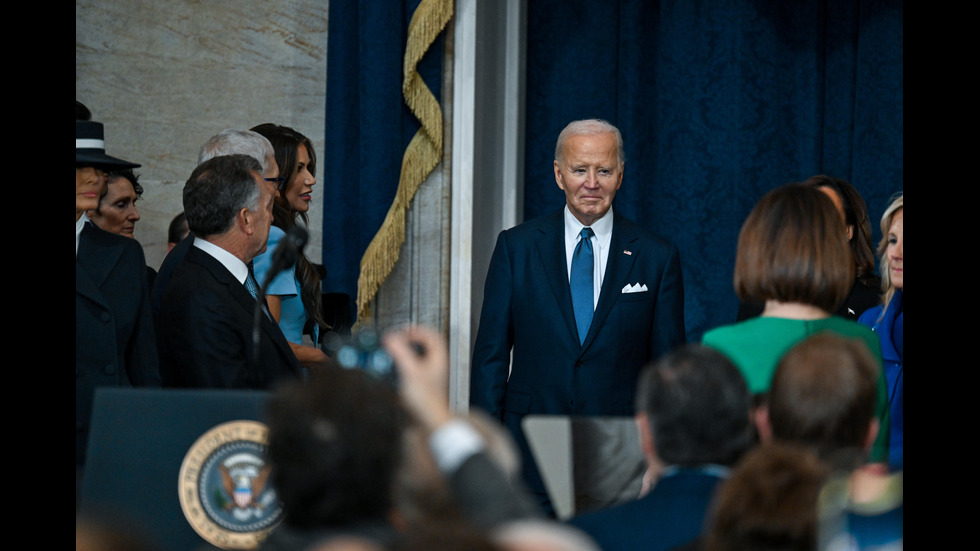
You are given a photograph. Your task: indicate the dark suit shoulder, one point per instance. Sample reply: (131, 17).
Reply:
(198, 275)
(94, 238)
(546, 222)
(166, 272)
(623, 224)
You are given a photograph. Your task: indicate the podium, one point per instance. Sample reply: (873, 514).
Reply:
(586, 463)
(184, 469)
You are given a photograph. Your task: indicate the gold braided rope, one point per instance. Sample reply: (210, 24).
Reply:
(421, 156)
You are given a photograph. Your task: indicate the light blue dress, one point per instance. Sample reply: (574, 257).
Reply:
(292, 317)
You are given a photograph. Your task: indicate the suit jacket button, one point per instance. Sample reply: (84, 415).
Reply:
(109, 369)
(578, 363)
(105, 316)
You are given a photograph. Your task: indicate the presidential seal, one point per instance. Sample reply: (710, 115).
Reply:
(224, 486)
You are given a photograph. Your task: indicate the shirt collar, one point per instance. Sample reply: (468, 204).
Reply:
(602, 227)
(228, 260)
(79, 226)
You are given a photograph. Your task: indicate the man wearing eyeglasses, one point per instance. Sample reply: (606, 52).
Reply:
(226, 142)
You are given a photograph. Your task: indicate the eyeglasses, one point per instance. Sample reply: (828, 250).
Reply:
(277, 181)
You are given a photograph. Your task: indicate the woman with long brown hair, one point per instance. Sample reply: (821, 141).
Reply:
(294, 295)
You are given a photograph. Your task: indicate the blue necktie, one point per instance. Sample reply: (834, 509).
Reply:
(581, 283)
(253, 289)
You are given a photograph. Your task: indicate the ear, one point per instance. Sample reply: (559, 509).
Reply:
(760, 417)
(561, 183)
(622, 170)
(244, 221)
(873, 429)
(646, 435)
(850, 232)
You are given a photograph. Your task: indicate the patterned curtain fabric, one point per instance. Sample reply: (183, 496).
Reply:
(718, 102)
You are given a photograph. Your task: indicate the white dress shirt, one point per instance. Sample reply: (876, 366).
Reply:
(602, 228)
(228, 260)
(79, 226)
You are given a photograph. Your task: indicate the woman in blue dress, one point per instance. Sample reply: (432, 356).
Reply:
(294, 295)
(888, 319)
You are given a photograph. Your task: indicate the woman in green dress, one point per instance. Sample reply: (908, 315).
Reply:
(793, 256)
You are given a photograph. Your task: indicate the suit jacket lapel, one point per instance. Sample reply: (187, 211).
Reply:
(551, 248)
(618, 267)
(94, 262)
(241, 295)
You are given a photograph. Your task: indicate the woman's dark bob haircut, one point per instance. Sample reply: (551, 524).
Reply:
(793, 248)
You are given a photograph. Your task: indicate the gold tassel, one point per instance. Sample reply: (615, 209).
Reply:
(422, 155)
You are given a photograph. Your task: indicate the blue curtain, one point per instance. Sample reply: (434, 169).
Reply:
(368, 127)
(718, 102)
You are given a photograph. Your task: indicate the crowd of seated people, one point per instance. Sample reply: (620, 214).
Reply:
(783, 430)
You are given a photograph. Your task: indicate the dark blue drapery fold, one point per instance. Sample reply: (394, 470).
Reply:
(718, 102)
(368, 127)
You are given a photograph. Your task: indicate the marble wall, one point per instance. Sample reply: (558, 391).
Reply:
(165, 76)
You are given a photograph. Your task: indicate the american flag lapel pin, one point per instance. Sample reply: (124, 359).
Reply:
(627, 252)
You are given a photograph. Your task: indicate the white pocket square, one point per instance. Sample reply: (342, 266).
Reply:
(635, 288)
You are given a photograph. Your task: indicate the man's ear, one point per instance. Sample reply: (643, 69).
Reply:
(646, 435)
(244, 220)
(558, 180)
(873, 429)
(760, 417)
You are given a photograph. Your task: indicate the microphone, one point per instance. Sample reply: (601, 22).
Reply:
(283, 257)
(286, 252)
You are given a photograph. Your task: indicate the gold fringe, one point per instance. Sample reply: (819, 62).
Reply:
(422, 155)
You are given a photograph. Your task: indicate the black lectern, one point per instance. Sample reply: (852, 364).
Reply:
(186, 468)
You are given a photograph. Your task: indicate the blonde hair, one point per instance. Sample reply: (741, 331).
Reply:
(896, 205)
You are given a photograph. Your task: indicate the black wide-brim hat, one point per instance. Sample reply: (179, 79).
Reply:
(90, 147)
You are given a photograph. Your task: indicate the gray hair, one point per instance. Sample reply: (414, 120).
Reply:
(238, 142)
(589, 127)
(217, 190)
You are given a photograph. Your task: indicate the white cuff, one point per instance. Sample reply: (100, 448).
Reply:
(453, 443)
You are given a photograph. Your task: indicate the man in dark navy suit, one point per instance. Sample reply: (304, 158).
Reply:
(212, 302)
(692, 413)
(583, 298)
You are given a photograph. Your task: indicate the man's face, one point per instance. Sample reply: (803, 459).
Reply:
(261, 218)
(589, 173)
(117, 210)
